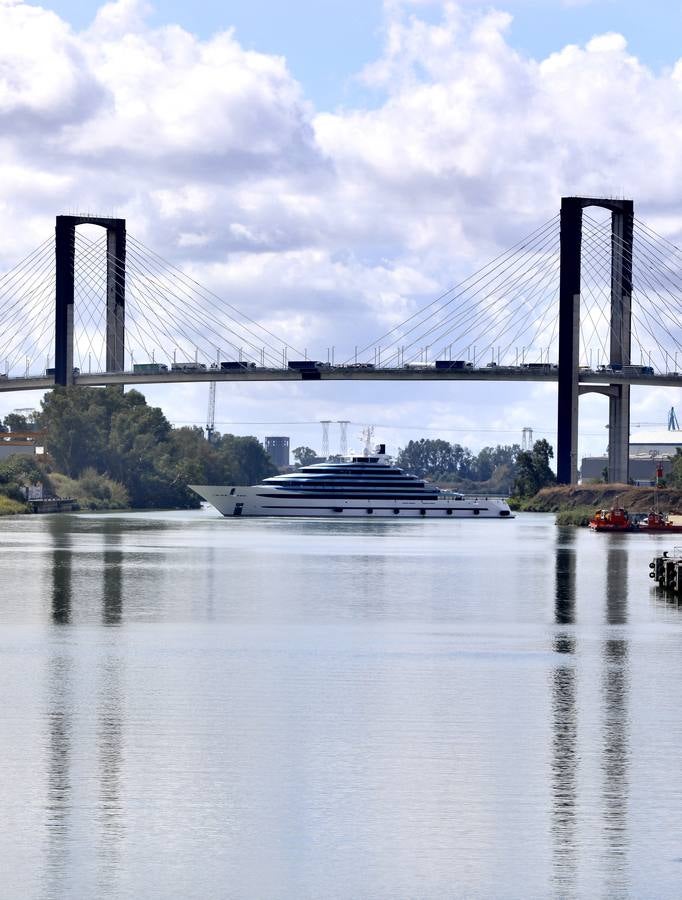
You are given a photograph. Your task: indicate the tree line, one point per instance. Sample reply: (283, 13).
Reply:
(504, 468)
(112, 449)
(128, 452)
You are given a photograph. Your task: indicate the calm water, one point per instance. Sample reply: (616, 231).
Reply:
(203, 707)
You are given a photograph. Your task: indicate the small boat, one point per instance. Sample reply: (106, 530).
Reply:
(658, 523)
(615, 519)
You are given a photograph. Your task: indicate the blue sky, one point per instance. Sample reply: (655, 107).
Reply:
(399, 147)
(327, 42)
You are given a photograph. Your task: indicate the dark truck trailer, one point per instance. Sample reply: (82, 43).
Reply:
(304, 364)
(309, 368)
(236, 364)
(453, 364)
(638, 370)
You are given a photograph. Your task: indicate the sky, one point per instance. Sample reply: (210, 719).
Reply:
(330, 166)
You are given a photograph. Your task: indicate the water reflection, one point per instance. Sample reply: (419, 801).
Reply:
(614, 744)
(615, 759)
(71, 740)
(110, 754)
(59, 782)
(112, 587)
(62, 560)
(564, 718)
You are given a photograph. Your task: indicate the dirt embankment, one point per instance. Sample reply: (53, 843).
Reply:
(596, 496)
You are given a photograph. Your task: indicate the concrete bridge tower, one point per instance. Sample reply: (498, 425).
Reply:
(622, 215)
(65, 250)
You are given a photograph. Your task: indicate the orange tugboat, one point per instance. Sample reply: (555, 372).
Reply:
(615, 519)
(618, 519)
(657, 523)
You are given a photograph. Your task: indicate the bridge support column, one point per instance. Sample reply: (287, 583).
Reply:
(619, 434)
(621, 339)
(116, 296)
(65, 238)
(65, 244)
(569, 340)
(569, 335)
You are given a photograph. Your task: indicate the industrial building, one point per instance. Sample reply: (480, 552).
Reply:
(649, 451)
(278, 448)
(28, 443)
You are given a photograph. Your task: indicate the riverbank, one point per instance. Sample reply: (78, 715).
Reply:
(575, 504)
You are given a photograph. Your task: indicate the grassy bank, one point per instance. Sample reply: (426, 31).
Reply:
(9, 507)
(92, 491)
(576, 504)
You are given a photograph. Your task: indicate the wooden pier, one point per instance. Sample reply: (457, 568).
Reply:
(53, 505)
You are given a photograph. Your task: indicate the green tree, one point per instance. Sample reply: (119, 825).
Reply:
(675, 476)
(533, 471)
(19, 471)
(117, 435)
(304, 456)
(16, 422)
(433, 458)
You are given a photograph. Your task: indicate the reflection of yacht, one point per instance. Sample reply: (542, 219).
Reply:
(358, 486)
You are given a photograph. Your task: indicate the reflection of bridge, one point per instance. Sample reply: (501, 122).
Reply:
(574, 292)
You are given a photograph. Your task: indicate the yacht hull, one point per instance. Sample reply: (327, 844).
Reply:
(232, 500)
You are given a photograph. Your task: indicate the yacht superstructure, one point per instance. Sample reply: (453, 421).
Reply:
(360, 486)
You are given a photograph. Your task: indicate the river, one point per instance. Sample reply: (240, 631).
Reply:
(238, 708)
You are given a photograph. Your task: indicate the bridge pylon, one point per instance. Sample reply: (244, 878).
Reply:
(65, 252)
(622, 216)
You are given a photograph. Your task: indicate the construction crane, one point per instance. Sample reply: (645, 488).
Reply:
(210, 416)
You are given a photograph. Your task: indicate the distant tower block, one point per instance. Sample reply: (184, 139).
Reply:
(527, 439)
(278, 448)
(325, 423)
(343, 436)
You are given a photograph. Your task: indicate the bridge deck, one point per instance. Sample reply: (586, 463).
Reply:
(342, 373)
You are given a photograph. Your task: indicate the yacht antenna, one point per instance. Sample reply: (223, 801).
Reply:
(367, 436)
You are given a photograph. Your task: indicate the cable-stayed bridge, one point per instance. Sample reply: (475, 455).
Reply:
(590, 300)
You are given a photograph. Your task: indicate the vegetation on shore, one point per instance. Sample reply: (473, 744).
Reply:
(9, 507)
(109, 450)
(576, 504)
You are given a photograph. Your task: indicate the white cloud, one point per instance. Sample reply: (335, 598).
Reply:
(331, 225)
